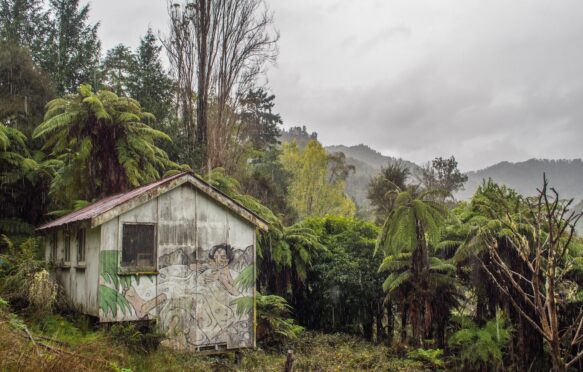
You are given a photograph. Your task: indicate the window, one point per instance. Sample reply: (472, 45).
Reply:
(54, 241)
(138, 247)
(67, 248)
(80, 246)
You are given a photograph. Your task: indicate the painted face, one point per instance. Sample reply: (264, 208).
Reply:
(221, 258)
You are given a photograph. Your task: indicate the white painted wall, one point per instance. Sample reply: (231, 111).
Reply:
(78, 279)
(188, 295)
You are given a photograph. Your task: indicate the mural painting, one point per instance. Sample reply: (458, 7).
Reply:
(119, 299)
(194, 296)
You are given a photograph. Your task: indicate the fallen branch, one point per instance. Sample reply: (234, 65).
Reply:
(59, 342)
(55, 349)
(33, 343)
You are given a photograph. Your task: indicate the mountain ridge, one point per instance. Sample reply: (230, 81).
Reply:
(565, 175)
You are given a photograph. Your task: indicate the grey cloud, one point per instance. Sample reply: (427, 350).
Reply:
(506, 85)
(485, 81)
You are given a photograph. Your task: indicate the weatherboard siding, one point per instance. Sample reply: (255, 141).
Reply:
(189, 295)
(92, 249)
(77, 279)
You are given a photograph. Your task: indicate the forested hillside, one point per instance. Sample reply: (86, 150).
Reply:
(367, 163)
(524, 177)
(363, 261)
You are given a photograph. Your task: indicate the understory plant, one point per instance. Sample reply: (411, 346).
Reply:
(431, 357)
(484, 346)
(274, 321)
(20, 281)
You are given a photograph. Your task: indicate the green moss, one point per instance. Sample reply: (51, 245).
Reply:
(71, 330)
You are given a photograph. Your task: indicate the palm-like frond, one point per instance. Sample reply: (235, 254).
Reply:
(410, 216)
(246, 278)
(55, 123)
(395, 280)
(102, 143)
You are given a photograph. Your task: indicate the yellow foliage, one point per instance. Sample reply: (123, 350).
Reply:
(43, 291)
(311, 193)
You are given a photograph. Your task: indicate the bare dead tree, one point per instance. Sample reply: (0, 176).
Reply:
(246, 41)
(180, 47)
(538, 293)
(228, 42)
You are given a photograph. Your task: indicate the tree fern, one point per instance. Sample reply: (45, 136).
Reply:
(103, 143)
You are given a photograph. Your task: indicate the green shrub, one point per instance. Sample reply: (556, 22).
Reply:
(138, 338)
(17, 272)
(274, 318)
(481, 346)
(432, 357)
(274, 322)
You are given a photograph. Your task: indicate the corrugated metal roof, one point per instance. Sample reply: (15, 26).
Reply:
(99, 207)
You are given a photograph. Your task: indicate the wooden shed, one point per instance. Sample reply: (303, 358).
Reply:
(170, 251)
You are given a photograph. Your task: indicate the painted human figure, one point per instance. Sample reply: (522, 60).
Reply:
(143, 307)
(217, 288)
(217, 269)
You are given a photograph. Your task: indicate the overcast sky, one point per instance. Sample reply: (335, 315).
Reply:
(485, 81)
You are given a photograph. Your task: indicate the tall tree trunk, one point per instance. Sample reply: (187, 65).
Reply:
(201, 143)
(380, 314)
(404, 314)
(390, 322)
(416, 317)
(556, 358)
(419, 265)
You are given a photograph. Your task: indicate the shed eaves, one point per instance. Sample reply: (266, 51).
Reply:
(100, 207)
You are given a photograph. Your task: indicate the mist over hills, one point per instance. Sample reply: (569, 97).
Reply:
(373, 158)
(367, 163)
(566, 176)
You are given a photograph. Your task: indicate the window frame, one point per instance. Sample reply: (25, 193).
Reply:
(135, 269)
(66, 249)
(81, 247)
(54, 247)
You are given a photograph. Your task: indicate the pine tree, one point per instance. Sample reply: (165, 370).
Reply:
(117, 69)
(24, 90)
(149, 81)
(73, 48)
(24, 23)
(260, 125)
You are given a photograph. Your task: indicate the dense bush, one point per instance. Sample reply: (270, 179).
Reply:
(484, 346)
(21, 280)
(139, 338)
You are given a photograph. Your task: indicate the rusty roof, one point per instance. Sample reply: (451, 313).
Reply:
(94, 212)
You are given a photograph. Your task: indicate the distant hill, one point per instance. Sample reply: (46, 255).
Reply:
(566, 176)
(369, 156)
(368, 163)
(298, 134)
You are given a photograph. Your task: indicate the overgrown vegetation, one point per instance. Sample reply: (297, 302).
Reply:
(72, 344)
(421, 281)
